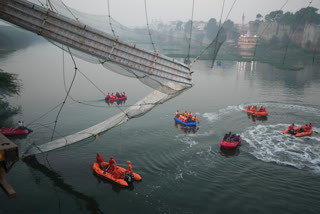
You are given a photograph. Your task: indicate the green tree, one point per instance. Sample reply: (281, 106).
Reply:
(307, 15)
(259, 16)
(274, 16)
(212, 28)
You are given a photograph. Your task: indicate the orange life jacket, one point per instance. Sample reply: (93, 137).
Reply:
(290, 127)
(184, 114)
(190, 115)
(130, 170)
(176, 114)
(120, 95)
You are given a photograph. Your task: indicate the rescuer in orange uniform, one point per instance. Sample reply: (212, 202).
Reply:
(129, 170)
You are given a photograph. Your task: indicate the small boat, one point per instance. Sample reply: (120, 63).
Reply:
(257, 113)
(106, 175)
(14, 131)
(297, 133)
(193, 123)
(115, 99)
(230, 145)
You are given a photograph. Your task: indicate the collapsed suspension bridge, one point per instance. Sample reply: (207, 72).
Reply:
(168, 76)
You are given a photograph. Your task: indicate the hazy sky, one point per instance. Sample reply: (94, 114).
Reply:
(131, 12)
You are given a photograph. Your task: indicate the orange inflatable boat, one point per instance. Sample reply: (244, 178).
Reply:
(257, 113)
(106, 175)
(299, 134)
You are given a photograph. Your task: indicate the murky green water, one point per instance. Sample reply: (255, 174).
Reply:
(183, 171)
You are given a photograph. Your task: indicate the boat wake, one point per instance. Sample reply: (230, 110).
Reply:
(221, 112)
(267, 143)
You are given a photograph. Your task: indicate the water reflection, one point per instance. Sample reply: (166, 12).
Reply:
(256, 117)
(91, 204)
(119, 102)
(229, 152)
(186, 129)
(115, 187)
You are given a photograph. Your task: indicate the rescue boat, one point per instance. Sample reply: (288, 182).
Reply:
(257, 113)
(106, 175)
(299, 134)
(181, 121)
(115, 99)
(230, 145)
(14, 131)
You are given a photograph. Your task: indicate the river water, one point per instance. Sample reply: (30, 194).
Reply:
(183, 171)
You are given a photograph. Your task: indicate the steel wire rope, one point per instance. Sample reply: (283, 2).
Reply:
(220, 25)
(145, 8)
(109, 14)
(255, 49)
(44, 114)
(205, 49)
(296, 26)
(64, 101)
(187, 60)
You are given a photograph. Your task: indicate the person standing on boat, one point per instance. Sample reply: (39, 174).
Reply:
(108, 96)
(100, 160)
(112, 164)
(177, 114)
(130, 169)
(291, 129)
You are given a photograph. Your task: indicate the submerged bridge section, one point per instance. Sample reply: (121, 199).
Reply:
(93, 42)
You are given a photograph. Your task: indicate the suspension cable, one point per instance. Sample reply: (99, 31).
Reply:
(296, 26)
(255, 49)
(64, 101)
(110, 20)
(145, 8)
(188, 57)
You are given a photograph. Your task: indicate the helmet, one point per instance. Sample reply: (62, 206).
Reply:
(129, 162)
(111, 156)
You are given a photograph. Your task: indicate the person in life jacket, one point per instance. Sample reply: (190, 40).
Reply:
(261, 108)
(254, 109)
(194, 118)
(129, 170)
(291, 127)
(310, 125)
(116, 173)
(120, 94)
(112, 164)
(249, 108)
(100, 160)
(185, 114)
(177, 114)
(108, 96)
(189, 117)
(307, 128)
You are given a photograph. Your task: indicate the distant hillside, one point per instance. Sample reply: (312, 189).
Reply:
(13, 38)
